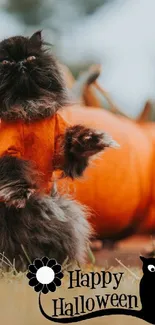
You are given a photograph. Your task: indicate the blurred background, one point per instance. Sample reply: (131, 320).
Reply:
(118, 34)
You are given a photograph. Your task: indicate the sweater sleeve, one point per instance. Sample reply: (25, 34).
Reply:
(17, 176)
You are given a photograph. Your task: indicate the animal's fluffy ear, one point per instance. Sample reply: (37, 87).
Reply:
(36, 38)
(143, 259)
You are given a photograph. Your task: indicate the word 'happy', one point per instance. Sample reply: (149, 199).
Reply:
(91, 280)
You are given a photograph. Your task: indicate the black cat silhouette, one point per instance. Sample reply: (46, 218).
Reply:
(147, 288)
(147, 297)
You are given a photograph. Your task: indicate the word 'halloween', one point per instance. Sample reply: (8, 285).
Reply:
(91, 280)
(81, 305)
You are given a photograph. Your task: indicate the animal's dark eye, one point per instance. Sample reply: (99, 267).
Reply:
(31, 58)
(5, 62)
(151, 268)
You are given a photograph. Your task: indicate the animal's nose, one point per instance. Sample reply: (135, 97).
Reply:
(21, 66)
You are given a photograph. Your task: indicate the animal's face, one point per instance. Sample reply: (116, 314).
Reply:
(28, 71)
(148, 266)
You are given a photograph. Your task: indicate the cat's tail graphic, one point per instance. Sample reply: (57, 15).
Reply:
(94, 314)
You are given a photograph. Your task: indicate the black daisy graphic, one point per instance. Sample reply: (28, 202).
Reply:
(45, 275)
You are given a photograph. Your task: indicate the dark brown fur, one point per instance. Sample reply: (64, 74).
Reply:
(55, 227)
(29, 89)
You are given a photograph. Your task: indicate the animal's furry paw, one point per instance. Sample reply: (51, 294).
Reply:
(15, 196)
(87, 142)
(17, 202)
(80, 144)
(18, 181)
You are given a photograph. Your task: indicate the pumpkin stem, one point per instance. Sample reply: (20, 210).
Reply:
(145, 114)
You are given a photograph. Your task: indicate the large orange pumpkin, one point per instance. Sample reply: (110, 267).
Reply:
(119, 185)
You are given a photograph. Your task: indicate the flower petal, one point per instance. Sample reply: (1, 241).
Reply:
(32, 268)
(57, 282)
(38, 287)
(52, 286)
(30, 275)
(33, 282)
(59, 275)
(38, 263)
(51, 262)
(45, 289)
(56, 268)
(45, 260)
